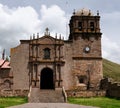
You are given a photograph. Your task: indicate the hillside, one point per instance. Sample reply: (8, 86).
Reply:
(111, 70)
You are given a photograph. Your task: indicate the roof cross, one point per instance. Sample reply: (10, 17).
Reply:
(47, 31)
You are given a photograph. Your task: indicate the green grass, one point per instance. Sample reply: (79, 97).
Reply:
(11, 101)
(111, 70)
(102, 102)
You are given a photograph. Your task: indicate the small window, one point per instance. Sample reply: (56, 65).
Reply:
(81, 80)
(80, 26)
(92, 26)
(46, 53)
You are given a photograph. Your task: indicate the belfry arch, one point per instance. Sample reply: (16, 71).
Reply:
(46, 79)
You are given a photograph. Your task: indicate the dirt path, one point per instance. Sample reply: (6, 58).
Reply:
(51, 105)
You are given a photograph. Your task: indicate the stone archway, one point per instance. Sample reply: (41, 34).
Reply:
(46, 79)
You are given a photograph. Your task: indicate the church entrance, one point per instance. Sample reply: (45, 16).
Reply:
(46, 77)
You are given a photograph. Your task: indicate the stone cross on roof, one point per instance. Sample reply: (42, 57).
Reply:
(47, 33)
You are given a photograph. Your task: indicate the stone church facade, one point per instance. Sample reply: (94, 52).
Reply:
(45, 62)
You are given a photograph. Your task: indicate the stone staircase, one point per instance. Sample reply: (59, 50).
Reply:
(46, 96)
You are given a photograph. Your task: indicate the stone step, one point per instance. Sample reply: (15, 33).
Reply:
(46, 96)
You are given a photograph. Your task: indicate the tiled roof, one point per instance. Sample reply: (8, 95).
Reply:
(4, 64)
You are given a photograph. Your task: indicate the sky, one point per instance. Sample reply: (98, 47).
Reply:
(19, 19)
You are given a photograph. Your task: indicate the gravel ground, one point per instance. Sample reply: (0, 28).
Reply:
(50, 105)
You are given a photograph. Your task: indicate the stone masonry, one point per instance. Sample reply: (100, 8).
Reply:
(49, 62)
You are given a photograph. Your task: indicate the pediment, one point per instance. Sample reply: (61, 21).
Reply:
(45, 40)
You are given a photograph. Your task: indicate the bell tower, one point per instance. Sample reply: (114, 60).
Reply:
(86, 51)
(84, 24)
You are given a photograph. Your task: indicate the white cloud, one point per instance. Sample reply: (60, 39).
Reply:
(110, 28)
(19, 20)
(53, 18)
(110, 49)
(110, 25)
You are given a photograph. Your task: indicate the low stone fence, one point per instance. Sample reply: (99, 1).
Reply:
(87, 93)
(112, 88)
(11, 93)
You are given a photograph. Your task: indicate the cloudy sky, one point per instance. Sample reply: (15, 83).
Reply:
(21, 18)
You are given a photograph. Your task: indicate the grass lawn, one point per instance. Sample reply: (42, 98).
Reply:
(11, 101)
(102, 102)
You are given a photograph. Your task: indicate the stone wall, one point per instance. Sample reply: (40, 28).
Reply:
(112, 88)
(89, 70)
(6, 79)
(93, 43)
(67, 75)
(10, 93)
(85, 93)
(19, 66)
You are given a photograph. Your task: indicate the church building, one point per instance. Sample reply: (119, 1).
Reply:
(49, 63)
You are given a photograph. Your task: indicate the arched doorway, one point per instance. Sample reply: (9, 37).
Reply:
(46, 79)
